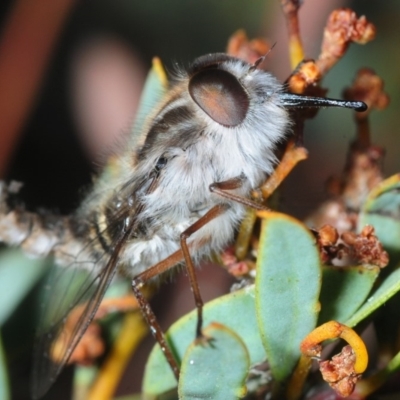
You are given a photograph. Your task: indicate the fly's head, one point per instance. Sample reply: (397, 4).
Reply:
(237, 95)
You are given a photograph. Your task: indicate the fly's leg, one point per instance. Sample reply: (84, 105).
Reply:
(148, 313)
(155, 328)
(164, 265)
(210, 215)
(221, 189)
(292, 156)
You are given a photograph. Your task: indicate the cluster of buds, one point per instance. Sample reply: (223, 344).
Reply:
(339, 372)
(249, 50)
(364, 248)
(343, 27)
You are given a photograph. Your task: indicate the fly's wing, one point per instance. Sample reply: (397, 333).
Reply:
(85, 285)
(66, 288)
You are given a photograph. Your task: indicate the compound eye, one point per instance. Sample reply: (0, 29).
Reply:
(220, 95)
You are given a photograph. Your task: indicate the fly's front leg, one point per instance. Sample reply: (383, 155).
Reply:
(219, 188)
(210, 215)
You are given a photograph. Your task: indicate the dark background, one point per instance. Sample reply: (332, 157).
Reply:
(54, 165)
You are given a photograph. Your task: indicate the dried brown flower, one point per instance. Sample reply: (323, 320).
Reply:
(366, 247)
(249, 50)
(342, 28)
(368, 87)
(327, 235)
(339, 372)
(305, 75)
(90, 347)
(327, 238)
(238, 269)
(363, 172)
(343, 371)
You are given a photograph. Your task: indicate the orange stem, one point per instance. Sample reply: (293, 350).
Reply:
(332, 330)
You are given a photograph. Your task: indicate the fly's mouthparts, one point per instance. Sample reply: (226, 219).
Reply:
(291, 100)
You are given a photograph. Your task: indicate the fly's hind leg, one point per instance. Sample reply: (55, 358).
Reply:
(164, 265)
(148, 313)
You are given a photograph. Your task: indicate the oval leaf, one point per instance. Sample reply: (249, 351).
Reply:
(344, 290)
(154, 88)
(389, 287)
(216, 369)
(288, 283)
(234, 310)
(381, 210)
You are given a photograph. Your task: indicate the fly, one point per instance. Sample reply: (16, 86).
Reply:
(182, 189)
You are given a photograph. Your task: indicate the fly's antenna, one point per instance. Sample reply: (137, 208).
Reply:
(261, 59)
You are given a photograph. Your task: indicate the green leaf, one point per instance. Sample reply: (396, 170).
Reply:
(288, 283)
(18, 274)
(234, 310)
(154, 88)
(344, 290)
(4, 386)
(389, 287)
(215, 370)
(84, 376)
(382, 211)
